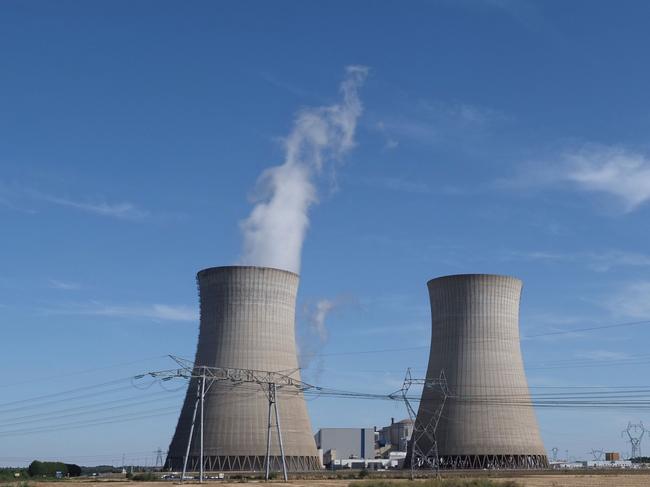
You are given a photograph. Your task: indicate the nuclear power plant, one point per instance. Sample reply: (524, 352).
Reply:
(487, 421)
(247, 322)
(484, 419)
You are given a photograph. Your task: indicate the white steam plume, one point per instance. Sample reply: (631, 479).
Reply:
(313, 334)
(275, 230)
(322, 309)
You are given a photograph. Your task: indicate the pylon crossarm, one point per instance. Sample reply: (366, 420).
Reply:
(229, 374)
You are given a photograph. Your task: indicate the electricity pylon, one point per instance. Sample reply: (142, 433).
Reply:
(634, 433)
(270, 382)
(422, 450)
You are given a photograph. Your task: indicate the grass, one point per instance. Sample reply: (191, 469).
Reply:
(437, 483)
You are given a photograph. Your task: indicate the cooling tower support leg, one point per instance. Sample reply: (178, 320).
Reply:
(189, 440)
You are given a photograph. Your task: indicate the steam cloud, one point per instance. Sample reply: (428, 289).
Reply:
(275, 230)
(313, 334)
(322, 308)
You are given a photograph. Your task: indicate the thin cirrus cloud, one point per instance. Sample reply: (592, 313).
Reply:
(399, 185)
(155, 312)
(24, 199)
(615, 171)
(122, 210)
(631, 301)
(63, 285)
(432, 122)
(598, 261)
(623, 174)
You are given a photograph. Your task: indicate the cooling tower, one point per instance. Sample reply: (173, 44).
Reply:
(247, 322)
(488, 421)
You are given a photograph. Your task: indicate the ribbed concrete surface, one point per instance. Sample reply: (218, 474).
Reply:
(247, 321)
(475, 340)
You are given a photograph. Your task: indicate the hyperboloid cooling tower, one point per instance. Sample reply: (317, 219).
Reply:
(247, 322)
(488, 420)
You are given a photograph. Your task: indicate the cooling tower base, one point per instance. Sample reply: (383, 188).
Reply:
(507, 462)
(244, 463)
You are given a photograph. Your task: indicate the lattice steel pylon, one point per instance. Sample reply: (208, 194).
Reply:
(269, 381)
(160, 462)
(634, 433)
(419, 457)
(597, 454)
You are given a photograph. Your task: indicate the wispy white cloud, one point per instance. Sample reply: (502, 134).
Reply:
(460, 113)
(632, 301)
(432, 122)
(285, 85)
(399, 184)
(602, 355)
(18, 197)
(63, 285)
(615, 171)
(551, 326)
(422, 328)
(391, 143)
(7, 202)
(122, 210)
(156, 312)
(598, 261)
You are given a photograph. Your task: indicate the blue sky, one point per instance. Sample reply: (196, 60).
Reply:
(497, 136)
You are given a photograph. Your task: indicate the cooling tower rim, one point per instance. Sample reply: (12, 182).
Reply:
(224, 268)
(457, 277)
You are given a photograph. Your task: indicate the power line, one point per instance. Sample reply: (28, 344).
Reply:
(81, 372)
(591, 328)
(65, 393)
(537, 335)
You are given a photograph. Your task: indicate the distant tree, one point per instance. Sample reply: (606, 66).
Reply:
(35, 469)
(49, 469)
(73, 469)
(640, 460)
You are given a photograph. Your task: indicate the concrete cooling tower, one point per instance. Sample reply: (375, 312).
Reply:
(247, 322)
(488, 421)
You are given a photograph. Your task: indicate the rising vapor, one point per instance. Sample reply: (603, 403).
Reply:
(275, 230)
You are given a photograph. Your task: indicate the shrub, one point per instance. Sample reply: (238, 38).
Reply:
(363, 473)
(145, 477)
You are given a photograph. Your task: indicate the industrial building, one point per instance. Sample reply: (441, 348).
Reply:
(345, 443)
(247, 322)
(395, 436)
(374, 448)
(487, 420)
